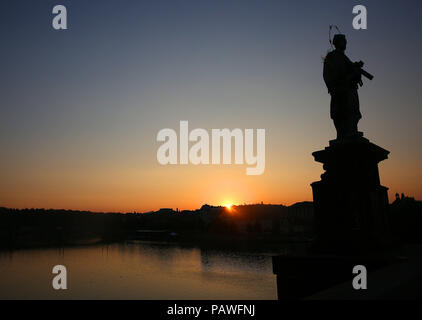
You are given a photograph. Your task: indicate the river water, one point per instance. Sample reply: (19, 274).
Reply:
(138, 271)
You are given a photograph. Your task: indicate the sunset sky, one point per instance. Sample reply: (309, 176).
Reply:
(80, 108)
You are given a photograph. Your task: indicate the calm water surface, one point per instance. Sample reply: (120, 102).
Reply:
(138, 271)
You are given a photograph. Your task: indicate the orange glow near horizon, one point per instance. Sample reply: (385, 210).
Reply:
(112, 189)
(124, 182)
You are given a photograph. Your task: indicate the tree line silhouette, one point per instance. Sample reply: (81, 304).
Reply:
(22, 228)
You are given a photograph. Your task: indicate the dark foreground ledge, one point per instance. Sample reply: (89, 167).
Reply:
(301, 277)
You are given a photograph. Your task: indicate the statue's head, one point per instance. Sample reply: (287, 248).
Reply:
(340, 42)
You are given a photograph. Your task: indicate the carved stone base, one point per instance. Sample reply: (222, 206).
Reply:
(350, 205)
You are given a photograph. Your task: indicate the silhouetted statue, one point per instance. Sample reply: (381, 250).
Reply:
(352, 223)
(342, 78)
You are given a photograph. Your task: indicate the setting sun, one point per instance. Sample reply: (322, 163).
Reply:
(228, 206)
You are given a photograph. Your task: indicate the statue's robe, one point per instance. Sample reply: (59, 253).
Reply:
(341, 78)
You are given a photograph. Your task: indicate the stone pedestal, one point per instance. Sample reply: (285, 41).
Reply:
(350, 204)
(351, 221)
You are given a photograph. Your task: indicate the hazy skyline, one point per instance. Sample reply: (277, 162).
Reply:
(81, 108)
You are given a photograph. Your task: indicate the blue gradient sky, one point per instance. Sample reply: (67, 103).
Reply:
(80, 108)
